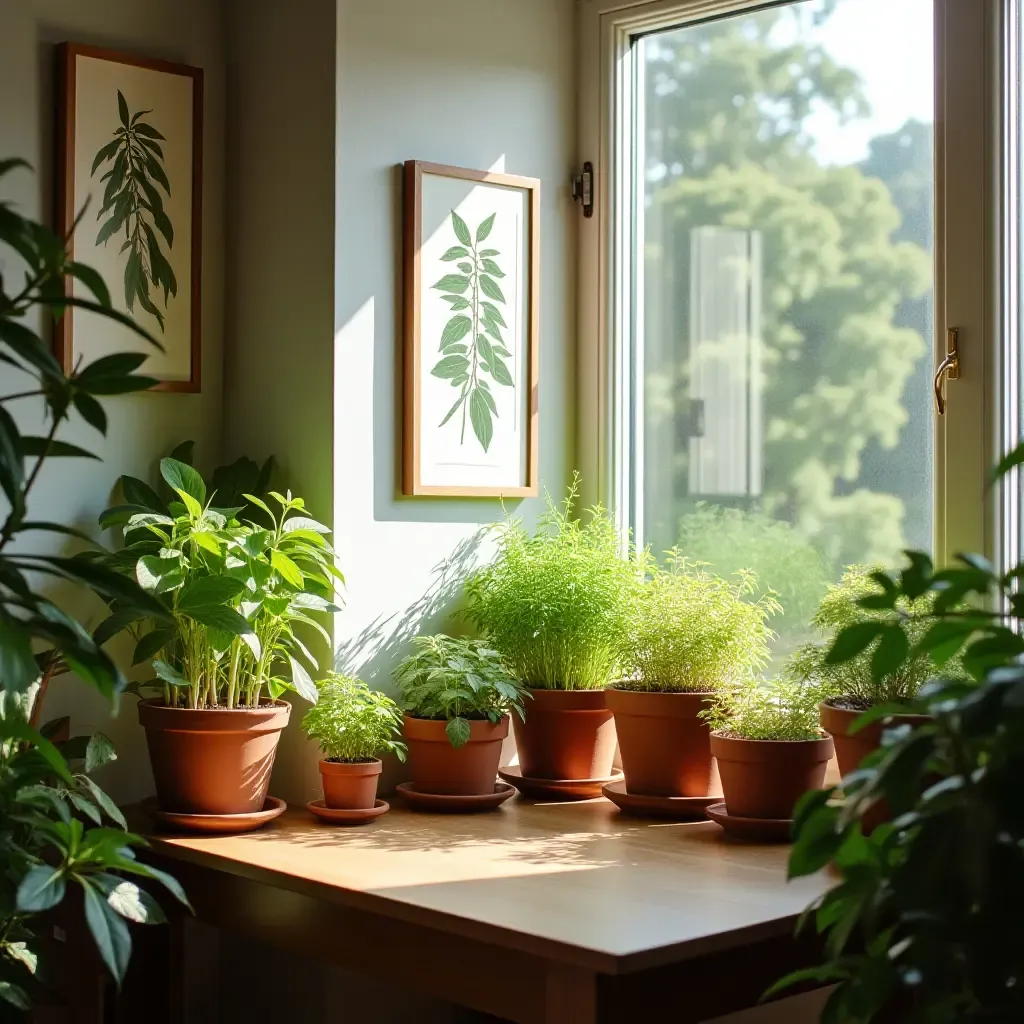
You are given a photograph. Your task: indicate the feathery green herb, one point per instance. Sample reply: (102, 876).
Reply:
(557, 604)
(779, 710)
(353, 723)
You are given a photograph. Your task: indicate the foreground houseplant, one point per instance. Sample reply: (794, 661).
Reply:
(458, 697)
(556, 606)
(769, 746)
(354, 726)
(234, 593)
(691, 634)
(851, 687)
(923, 923)
(60, 833)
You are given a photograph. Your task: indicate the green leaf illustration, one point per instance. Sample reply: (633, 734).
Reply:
(457, 301)
(450, 366)
(499, 371)
(492, 268)
(490, 288)
(492, 314)
(461, 229)
(454, 283)
(485, 228)
(134, 206)
(480, 415)
(456, 252)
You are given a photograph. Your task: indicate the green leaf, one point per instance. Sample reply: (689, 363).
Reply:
(450, 366)
(461, 229)
(207, 591)
(455, 330)
(458, 731)
(891, 652)
(152, 643)
(223, 618)
(456, 252)
(115, 623)
(99, 752)
(454, 409)
(492, 314)
(457, 301)
(148, 130)
(1009, 461)
(490, 288)
(104, 802)
(27, 346)
(454, 283)
(492, 268)
(18, 666)
(107, 152)
(287, 569)
(303, 682)
(42, 888)
(91, 411)
(158, 575)
(39, 447)
(129, 901)
(122, 109)
(303, 523)
(852, 641)
(480, 417)
(485, 228)
(489, 399)
(12, 468)
(499, 371)
(183, 478)
(169, 674)
(109, 931)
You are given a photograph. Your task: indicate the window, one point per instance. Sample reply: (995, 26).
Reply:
(769, 290)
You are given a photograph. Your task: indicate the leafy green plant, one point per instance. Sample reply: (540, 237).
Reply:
(472, 346)
(57, 826)
(232, 591)
(557, 604)
(132, 203)
(353, 723)
(455, 679)
(924, 919)
(785, 562)
(854, 683)
(693, 632)
(778, 710)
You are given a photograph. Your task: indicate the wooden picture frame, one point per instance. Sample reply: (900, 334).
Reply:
(502, 368)
(99, 90)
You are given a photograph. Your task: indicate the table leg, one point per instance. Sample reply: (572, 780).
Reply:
(571, 996)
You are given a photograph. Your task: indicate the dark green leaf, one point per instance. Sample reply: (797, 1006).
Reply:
(40, 447)
(138, 492)
(1009, 461)
(109, 932)
(106, 152)
(122, 109)
(485, 228)
(461, 229)
(59, 302)
(104, 802)
(27, 346)
(12, 469)
(148, 130)
(223, 618)
(41, 889)
(852, 641)
(183, 479)
(99, 752)
(480, 416)
(169, 674)
(91, 411)
(207, 591)
(891, 652)
(18, 667)
(24, 733)
(458, 731)
(152, 643)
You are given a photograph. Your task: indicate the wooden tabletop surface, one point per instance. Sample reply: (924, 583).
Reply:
(574, 882)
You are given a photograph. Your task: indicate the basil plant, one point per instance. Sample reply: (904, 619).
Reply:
(234, 591)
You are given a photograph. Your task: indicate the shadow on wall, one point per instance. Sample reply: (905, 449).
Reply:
(375, 651)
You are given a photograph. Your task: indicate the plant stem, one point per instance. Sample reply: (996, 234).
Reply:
(470, 385)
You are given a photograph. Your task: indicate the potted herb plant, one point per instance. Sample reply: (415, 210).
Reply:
(851, 687)
(354, 725)
(233, 592)
(691, 634)
(769, 745)
(556, 605)
(458, 697)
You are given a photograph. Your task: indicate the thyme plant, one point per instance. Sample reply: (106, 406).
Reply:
(557, 604)
(693, 632)
(353, 723)
(455, 679)
(779, 710)
(856, 683)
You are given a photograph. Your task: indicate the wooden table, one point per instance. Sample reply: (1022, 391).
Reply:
(565, 913)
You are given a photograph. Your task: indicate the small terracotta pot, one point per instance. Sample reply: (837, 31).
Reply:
(765, 778)
(438, 767)
(568, 734)
(214, 761)
(851, 750)
(665, 747)
(350, 786)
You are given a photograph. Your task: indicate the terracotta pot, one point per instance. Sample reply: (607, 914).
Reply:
(438, 767)
(765, 778)
(851, 750)
(568, 734)
(665, 747)
(350, 786)
(215, 761)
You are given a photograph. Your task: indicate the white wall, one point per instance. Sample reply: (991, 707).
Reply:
(142, 427)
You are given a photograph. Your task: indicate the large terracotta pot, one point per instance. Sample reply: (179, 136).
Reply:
(765, 778)
(568, 734)
(350, 786)
(438, 767)
(215, 761)
(665, 747)
(851, 750)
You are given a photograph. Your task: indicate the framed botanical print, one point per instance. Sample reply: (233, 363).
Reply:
(472, 284)
(129, 182)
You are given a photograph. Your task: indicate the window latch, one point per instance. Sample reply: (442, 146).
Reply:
(583, 189)
(949, 368)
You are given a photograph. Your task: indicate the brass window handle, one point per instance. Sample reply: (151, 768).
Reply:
(949, 368)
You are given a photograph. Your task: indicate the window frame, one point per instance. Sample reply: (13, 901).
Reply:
(970, 254)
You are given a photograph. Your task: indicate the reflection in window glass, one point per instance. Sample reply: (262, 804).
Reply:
(785, 209)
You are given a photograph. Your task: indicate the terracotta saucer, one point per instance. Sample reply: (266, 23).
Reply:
(446, 803)
(765, 830)
(556, 789)
(218, 824)
(339, 816)
(677, 808)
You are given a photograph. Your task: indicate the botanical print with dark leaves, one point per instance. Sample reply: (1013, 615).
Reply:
(473, 351)
(133, 208)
